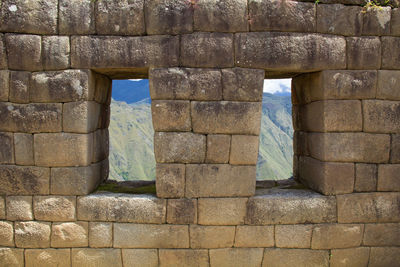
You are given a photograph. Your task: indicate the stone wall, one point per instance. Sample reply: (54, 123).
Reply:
(206, 61)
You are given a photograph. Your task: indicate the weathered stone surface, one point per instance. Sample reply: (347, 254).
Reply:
(207, 50)
(54, 208)
(19, 86)
(55, 54)
(280, 257)
(349, 257)
(226, 117)
(69, 234)
(293, 236)
(183, 257)
(381, 116)
(308, 52)
(388, 84)
(368, 207)
(350, 147)
(24, 52)
(168, 17)
(102, 92)
(391, 56)
(388, 177)
(96, 257)
(101, 145)
(170, 180)
(329, 236)
(221, 211)
(382, 234)
(218, 147)
(76, 17)
(6, 234)
(150, 236)
(116, 52)
(7, 148)
(140, 257)
(244, 149)
(395, 22)
(81, 117)
(219, 180)
(290, 207)
(11, 257)
(220, 16)
(3, 54)
(389, 256)
(339, 19)
(290, 16)
(48, 257)
(32, 234)
(4, 85)
(363, 52)
(242, 84)
(376, 21)
(171, 115)
(17, 180)
(100, 234)
(2, 208)
(19, 208)
(29, 16)
(395, 150)
(182, 211)
(179, 147)
(121, 208)
(366, 177)
(254, 236)
(211, 236)
(236, 257)
(300, 146)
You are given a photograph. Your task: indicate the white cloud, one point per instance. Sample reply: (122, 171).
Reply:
(277, 85)
(135, 80)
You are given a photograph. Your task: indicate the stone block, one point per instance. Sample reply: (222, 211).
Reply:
(207, 50)
(388, 177)
(150, 236)
(116, 52)
(48, 257)
(381, 116)
(328, 52)
(32, 234)
(121, 208)
(290, 207)
(170, 180)
(4, 85)
(101, 145)
(19, 208)
(23, 146)
(182, 211)
(236, 257)
(300, 146)
(56, 51)
(389, 256)
(339, 19)
(100, 257)
(226, 117)
(391, 56)
(3, 54)
(178, 147)
(376, 21)
(221, 211)
(265, 15)
(183, 257)
(368, 208)
(81, 117)
(388, 82)
(171, 115)
(19, 86)
(395, 150)
(140, 257)
(69, 234)
(7, 148)
(11, 257)
(366, 177)
(329, 236)
(242, 84)
(218, 147)
(30, 118)
(244, 149)
(281, 257)
(24, 52)
(18, 180)
(395, 22)
(293, 236)
(29, 16)
(350, 147)
(168, 17)
(254, 236)
(56, 150)
(220, 16)
(76, 17)
(54, 208)
(100, 234)
(219, 180)
(102, 92)
(6, 234)
(363, 52)
(2, 208)
(211, 236)
(349, 257)
(382, 235)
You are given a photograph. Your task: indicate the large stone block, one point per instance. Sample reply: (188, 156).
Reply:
(382, 234)
(23, 146)
(54, 208)
(101, 145)
(76, 17)
(7, 148)
(236, 257)
(339, 19)
(292, 52)
(24, 52)
(6, 234)
(211, 236)
(221, 211)
(48, 257)
(218, 147)
(150, 236)
(11, 257)
(244, 149)
(19, 86)
(3, 54)
(170, 180)
(56, 51)
(349, 257)
(395, 150)
(32, 234)
(100, 234)
(391, 56)
(140, 257)
(280, 257)
(388, 84)
(363, 52)
(388, 177)
(381, 116)
(121, 208)
(293, 236)
(366, 177)
(389, 256)
(81, 117)
(19, 208)
(96, 257)
(368, 207)
(69, 234)
(213, 50)
(242, 84)
(183, 257)
(329, 236)
(395, 22)
(4, 85)
(171, 115)
(182, 211)
(219, 180)
(290, 207)
(254, 236)
(226, 117)
(376, 21)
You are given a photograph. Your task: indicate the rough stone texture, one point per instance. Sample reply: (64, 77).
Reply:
(244, 150)
(328, 52)
(101, 145)
(391, 46)
(339, 19)
(395, 22)
(218, 147)
(24, 52)
(56, 150)
(236, 257)
(366, 177)
(170, 180)
(19, 86)
(254, 236)
(382, 234)
(368, 207)
(182, 211)
(388, 84)
(349, 257)
(363, 52)
(100, 234)
(4, 85)
(29, 16)
(381, 116)
(6, 234)
(32, 234)
(289, 16)
(179, 147)
(211, 236)
(290, 207)
(7, 148)
(280, 257)
(150, 236)
(18, 180)
(168, 16)
(171, 115)
(207, 50)
(395, 151)
(293, 236)
(11, 257)
(226, 117)
(69, 234)
(388, 177)
(329, 236)
(122, 17)
(183, 257)
(54, 208)
(81, 117)
(389, 256)
(140, 257)
(2, 208)
(48, 257)
(376, 21)
(221, 211)
(219, 180)
(19, 208)
(76, 17)
(3, 54)
(220, 16)
(242, 84)
(55, 54)
(96, 257)
(121, 208)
